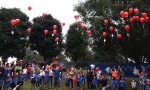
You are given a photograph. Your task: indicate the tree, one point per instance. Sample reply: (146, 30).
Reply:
(42, 38)
(76, 47)
(93, 12)
(133, 44)
(13, 37)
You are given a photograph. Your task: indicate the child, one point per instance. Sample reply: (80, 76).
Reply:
(116, 84)
(21, 78)
(133, 85)
(46, 77)
(112, 83)
(148, 84)
(51, 77)
(57, 75)
(14, 80)
(33, 80)
(67, 81)
(7, 82)
(37, 80)
(42, 75)
(81, 80)
(94, 83)
(122, 84)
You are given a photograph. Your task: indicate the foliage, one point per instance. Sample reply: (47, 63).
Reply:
(45, 44)
(111, 49)
(13, 44)
(76, 47)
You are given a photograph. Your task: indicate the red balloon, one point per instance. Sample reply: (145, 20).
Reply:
(130, 10)
(119, 36)
(17, 21)
(134, 18)
(29, 30)
(76, 16)
(146, 19)
(55, 27)
(63, 24)
(142, 20)
(144, 15)
(136, 10)
(127, 27)
(137, 18)
(45, 32)
(126, 14)
(79, 22)
(13, 22)
(44, 14)
(83, 26)
(122, 14)
(56, 39)
(54, 32)
(131, 20)
(111, 29)
(89, 32)
(105, 21)
(104, 34)
(29, 8)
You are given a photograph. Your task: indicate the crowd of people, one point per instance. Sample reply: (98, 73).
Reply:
(52, 75)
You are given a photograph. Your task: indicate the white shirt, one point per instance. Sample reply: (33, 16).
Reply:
(50, 72)
(98, 74)
(133, 84)
(42, 73)
(25, 71)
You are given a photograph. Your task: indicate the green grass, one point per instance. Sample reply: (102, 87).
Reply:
(27, 86)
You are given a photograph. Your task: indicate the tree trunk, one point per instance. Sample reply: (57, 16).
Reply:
(45, 59)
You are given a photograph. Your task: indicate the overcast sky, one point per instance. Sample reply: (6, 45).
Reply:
(60, 9)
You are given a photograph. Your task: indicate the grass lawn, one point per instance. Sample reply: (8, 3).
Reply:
(27, 86)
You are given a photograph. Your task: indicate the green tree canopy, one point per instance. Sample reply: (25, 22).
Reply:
(134, 43)
(76, 47)
(46, 44)
(13, 38)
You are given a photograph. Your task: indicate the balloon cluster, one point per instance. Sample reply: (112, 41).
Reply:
(13, 22)
(46, 31)
(116, 28)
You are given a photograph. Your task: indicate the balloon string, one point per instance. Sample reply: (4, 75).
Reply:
(42, 20)
(12, 30)
(143, 25)
(128, 36)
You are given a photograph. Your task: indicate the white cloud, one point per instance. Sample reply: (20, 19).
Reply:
(60, 9)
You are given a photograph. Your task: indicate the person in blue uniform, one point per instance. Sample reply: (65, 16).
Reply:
(14, 80)
(57, 77)
(122, 84)
(81, 80)
(7, 82)
(94, 82)
(33, 79)
(46, 77)
(37, 80)
(67, 82)
(21, 78)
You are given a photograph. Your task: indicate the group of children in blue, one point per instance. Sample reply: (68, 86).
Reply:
(10, 77)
